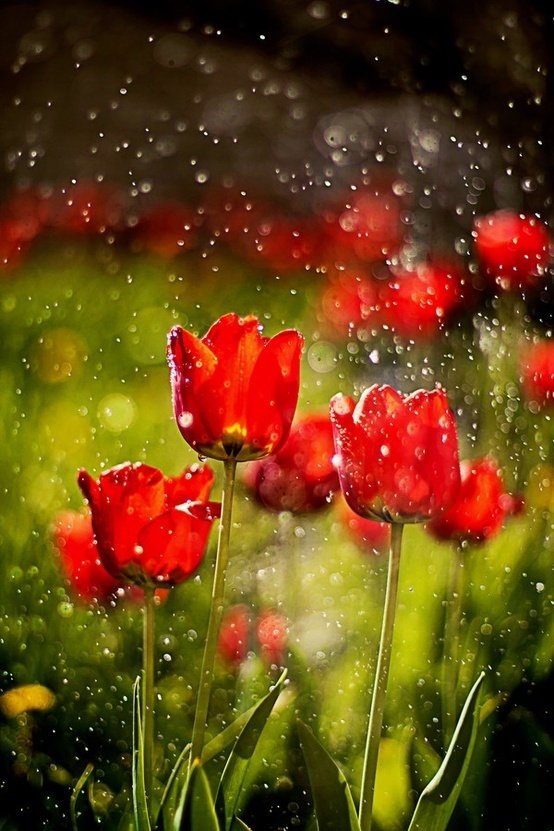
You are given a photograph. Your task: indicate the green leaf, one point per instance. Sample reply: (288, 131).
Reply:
(239, 825)
(77, 791)
(226, 737)
(173, 797)
(333, 803)
(230, 786)
(140, 805)
(199, 813)
(437, 800)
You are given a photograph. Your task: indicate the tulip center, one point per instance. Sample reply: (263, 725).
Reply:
(234, 437)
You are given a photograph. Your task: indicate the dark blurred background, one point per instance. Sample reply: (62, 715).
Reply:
(290, 98)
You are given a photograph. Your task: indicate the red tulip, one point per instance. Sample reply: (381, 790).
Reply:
(150, 529)
(283, 244)
(367, 228)
(234, 391)
(512, 248)
(234, 636)
(418, 303)
(74, 539)
(272, 633)
(24, 215)
(300, 476)
(232, 643)
(397, 456)
(349, 300)
(480, 507)
(537, 370)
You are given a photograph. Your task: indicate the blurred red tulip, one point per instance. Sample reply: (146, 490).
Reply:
(368, 533)
(233, 638)
(368, 227)
(150, 529)
(11, 252)
(272, 634)
(512, 248)
(397, 456)
(284, 244)
(480, 507)
(259, 233)
(537, 372)
(24, 215)
(349, 300)
(419, 303)
(234, 391)
(300, 476)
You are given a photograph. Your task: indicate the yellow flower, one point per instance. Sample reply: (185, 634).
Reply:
(20, 700)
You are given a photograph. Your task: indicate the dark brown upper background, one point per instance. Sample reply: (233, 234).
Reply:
(295, 101)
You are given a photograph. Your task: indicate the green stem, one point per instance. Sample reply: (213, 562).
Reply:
(216, 612)
(381, 679)
(451, 646)
(148, 690)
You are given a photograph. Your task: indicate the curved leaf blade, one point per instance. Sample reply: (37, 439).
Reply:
(438, 799)
(239, 825)
(333, 803)
(140, 805)
(76, 793)
(229, 790)
(173, 798)
(199, 813)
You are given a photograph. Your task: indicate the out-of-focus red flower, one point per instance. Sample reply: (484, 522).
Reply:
(300, 476)
(272, 634)
(259, 233)
(349, 300)
(233, 637)
(414, 304)
(418, 303)
(537, 373)
(234, 391)
(368, 533)
(168, 229)
(74, 539)
(480, 507)
(368, 227)
(284, 244)
(397, 456)
(150, 529)
(512, 248)
(24, 215)
(86, 208)
(11, 252)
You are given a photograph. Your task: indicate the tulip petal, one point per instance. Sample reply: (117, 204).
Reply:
(201, 510)
(172, 546)
(195, 483)
(238, 344)
(192, 366)
(273, 392)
